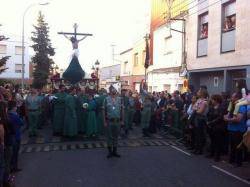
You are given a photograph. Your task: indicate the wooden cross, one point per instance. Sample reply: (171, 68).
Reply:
(74, 35)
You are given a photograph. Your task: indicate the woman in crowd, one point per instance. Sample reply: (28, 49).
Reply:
(236, 128)
(3, 122)
(190, 123)
(216, 127)
(200, 109)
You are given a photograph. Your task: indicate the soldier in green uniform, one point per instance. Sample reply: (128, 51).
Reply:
(33, 105)
(113, 118)
(81, 112)
(41, 109)
(99, 114)
(91, 122)
(70, 119)
(126, 104)
(131, 111)
(146, 115)
(59, 110)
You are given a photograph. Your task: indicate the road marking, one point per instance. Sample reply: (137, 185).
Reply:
(40, 140)
(38, 149)
(56, 147)
(29, 149)
(56, 139)
(46, 148)
(24, 141)
(232, 175)
(164, 142)
(81, 146)
(157, 142)
(64, 147)
(178, 149)
(72, 146)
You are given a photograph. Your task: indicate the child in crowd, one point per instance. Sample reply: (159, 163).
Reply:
(15, 121)
(245, 100)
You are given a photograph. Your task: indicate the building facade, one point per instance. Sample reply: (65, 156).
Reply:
(166, 45)
(13, 49)
(167, 58)
(110, 75)
(218, 45)
(132, 66)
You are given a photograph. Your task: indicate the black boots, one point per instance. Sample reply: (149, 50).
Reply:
(115, 154)
(110, 154)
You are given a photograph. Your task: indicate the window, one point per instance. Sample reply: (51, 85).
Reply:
(125, 70)
(3, 49)
(203, 26)
(228, 26)
(136, 59)
(18, 50)
(229, 17)
(18, 68)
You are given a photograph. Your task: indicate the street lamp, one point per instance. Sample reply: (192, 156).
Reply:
(26, 10)
(97, 64)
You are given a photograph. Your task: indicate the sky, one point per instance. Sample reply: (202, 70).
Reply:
(118, 22)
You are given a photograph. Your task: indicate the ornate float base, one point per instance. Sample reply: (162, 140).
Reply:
(90, 85)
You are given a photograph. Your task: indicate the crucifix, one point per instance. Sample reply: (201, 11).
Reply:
(74, 35)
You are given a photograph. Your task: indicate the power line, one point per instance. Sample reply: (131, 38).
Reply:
(189, 10)
(163, 15)
(204, 8)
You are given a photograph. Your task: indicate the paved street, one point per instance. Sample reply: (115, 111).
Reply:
(145, 162)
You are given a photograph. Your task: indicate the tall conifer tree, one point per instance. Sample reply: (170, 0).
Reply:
(43, 52)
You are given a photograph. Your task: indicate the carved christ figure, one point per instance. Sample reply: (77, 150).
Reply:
(74, 41)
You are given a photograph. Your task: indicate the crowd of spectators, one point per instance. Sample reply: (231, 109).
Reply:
(213, 125)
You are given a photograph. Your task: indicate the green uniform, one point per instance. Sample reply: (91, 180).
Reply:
(70, 119)
(41, 110)
(33, 104)
(59, 111)
(81, 113)
(126, 112)
(113, 109)
(91, 122)
(146, 113)
(131, 112)
(99, 117)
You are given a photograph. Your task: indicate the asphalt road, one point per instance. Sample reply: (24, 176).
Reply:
(144, 166)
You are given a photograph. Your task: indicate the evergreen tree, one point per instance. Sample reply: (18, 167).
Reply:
(3, 59)
(43, 51)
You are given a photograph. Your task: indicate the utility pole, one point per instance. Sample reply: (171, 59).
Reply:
(184, 56)
(113, 53)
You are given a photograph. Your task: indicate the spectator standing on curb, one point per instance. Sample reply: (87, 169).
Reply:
(236, 128)
(16, 123)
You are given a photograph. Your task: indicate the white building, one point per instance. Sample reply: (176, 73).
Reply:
(13, 48)
(164, 73)
(110, 75)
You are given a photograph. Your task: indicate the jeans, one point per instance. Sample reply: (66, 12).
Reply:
(235, 153)
(14, 159)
